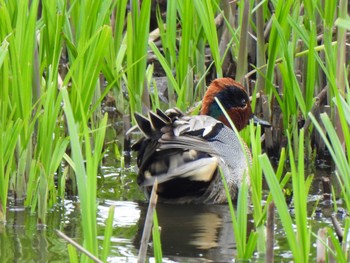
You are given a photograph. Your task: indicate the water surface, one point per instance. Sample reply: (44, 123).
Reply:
(189, 233)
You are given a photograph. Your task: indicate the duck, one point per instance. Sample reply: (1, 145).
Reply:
(184, 154)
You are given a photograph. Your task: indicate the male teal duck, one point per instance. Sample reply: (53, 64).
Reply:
(184, 153)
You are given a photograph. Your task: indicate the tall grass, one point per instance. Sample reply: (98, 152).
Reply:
(256, 186)
(8, 129)
(137, 40)
(188, 58)
(34, 140)
(205, 12)
(246, 244)
(157, 245)
(31, 64)
(19, 90)
(48, 153)
(299, 243)
(11, 130)
(86, 175)
(86, 49)
(338, 150)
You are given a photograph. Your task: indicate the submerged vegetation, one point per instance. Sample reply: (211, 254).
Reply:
(64, 63)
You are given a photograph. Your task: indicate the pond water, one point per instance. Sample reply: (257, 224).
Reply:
(189, 233)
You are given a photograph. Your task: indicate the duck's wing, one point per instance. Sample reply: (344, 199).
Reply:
(199, 133)
(201, 170)
(177, 146)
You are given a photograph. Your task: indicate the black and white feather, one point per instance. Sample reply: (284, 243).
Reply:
(184, 154)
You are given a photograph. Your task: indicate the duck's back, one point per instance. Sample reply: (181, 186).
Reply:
(184, 153)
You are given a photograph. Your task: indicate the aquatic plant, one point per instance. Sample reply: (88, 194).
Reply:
(299, 243)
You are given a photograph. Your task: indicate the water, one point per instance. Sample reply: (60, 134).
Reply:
(189, 233)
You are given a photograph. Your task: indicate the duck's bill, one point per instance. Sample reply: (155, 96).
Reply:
(262, 122)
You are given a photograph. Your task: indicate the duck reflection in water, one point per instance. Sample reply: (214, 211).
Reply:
(192, 231)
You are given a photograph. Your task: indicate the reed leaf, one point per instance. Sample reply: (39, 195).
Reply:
(86, 176)
(3, 51)
(168, 38)
(300, 190)
(9, 134)
(337, 251)
(281, 205)
(137, 41)
(205, 13)
(108, 234)
(336, 151)
(242, 64)
(281, 12)
(157, 246)
(300, 243)
(72, 253)
(343, 22)
(166, 68)
(245, 248)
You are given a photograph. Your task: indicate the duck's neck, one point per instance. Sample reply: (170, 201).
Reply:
(215, 110)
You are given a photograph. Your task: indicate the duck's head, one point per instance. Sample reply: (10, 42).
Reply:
(234, 99)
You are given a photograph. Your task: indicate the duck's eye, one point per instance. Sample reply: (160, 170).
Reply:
(244, 102)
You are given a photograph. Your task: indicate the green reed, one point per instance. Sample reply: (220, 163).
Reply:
(108, 234)
(301, 73)
(86, 49)
(281, 12)
(260, 42)
(252, 136)
(31, 110)
(338, 151)
(157, 245)
(256, 180)
(31, 64)
(242, 63)
(188, 58)
(333, 250)
(86, 174)
(299, 244)
(42, 193)
(205, 12)
(17, 35)
(336, 134)
(136, 54)
(246, 244)
(9, 134)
